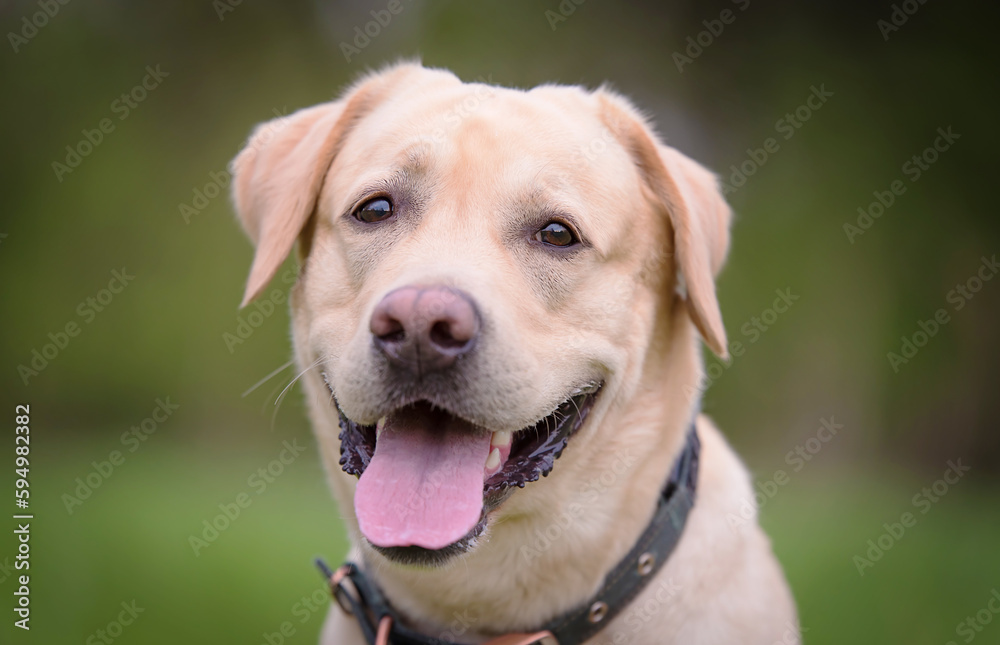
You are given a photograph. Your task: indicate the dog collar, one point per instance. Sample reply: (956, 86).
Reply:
(380, 624)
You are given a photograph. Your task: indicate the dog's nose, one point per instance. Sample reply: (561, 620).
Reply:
(425, 328)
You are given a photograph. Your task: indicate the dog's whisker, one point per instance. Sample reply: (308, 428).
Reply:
(281, 397)
(270, 395)
(575, 405)
(292, 382)
(267, 378)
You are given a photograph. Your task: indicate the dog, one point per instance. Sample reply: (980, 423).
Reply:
(499, 310)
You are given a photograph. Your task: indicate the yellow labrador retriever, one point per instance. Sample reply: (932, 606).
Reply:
(498, 310)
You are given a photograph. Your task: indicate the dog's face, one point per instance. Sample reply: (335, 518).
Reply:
(485, 274)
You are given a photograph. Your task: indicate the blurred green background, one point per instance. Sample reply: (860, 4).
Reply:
(224, 67)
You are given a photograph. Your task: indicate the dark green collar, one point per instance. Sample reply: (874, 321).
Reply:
(380, 624)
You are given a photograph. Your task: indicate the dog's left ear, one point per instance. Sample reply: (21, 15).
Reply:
(278, 175)
(699, 215)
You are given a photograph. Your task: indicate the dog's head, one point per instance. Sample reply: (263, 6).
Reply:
(485, 272)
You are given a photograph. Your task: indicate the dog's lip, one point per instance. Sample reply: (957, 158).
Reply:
(533, 454)
(416, 555)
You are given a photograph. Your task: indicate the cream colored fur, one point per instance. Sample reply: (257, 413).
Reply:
(476, 164)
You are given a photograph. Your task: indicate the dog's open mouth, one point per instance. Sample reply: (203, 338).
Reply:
(429, 478)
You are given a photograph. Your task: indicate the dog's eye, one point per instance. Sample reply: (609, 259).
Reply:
(374, 210)
(556, 234)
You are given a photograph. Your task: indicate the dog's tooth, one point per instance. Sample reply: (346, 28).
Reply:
(493, 460)
(379, 426)
(501, 438)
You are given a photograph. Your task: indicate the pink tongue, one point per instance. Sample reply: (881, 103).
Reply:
(424, 484)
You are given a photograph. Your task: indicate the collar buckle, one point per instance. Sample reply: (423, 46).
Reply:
(339, 590)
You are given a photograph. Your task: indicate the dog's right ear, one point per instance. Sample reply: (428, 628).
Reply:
(277, 177)
(698, 213)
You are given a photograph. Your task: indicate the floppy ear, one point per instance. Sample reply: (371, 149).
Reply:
(699, 215)
(277, 177)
